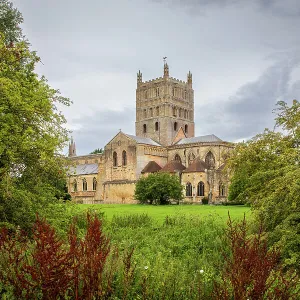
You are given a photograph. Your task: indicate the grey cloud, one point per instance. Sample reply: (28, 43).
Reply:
(98, 129)
(249, 111)
(288, 8)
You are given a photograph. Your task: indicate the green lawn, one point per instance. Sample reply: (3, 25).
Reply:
(158, 213)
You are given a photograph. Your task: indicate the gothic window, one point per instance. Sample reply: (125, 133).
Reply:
(185, 114)
(94, 184)
(115, 159)
(210, 160)
(184, 95)
(180, 113)
(174, 111)
(124, 158)
(144, 128)
(156, 126)
(145, 113)
(186, 128)
(157, 92)
(84, 184)
(175, 126)
(188, 189)
(191, 157)
(151, 112)
(75, 185)
(177, 158)
(146, 95)
(173, 91)
(221, 190)
(157, 111)
(200, 189)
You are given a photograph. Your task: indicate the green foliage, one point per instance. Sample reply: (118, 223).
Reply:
(10, 20)
(32, 132)
(204, 200)
(266, 173)
(96, 151)
(158, 188)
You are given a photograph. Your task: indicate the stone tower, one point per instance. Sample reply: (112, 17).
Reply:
(72, 148)
(163, 106)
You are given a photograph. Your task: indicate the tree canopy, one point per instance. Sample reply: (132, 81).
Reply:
(32, 132)
(266, 173)
(158, 188)
(97, 151)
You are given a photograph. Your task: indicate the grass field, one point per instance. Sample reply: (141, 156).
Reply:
(159, 213)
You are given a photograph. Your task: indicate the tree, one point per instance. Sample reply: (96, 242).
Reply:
(158, 188)
(266, 173)
(31, 132)
(97, 151)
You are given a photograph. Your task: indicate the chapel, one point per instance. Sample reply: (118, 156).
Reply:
(164, 141)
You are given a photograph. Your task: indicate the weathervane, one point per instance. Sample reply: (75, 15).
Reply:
(164, 58)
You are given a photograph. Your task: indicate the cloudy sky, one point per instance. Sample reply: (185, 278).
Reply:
(244, 56)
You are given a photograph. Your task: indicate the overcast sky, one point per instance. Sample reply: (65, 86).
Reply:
(244, 56)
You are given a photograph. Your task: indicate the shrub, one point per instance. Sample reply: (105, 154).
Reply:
(204, 200)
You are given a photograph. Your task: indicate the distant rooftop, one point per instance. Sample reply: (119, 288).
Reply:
(142, 140)
(84, 169)
(199, 139)
(173, 166)
(151, 167)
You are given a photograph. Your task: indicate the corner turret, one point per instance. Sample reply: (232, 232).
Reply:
(190, 79)
(139, 77)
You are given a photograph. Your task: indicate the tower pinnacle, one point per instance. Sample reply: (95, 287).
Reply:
(166, 68)
(72, 148)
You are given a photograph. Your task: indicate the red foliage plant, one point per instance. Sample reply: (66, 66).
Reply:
(248, 272)
(48, 268)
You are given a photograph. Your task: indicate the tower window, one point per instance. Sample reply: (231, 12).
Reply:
(156, 126)
(115, 159)
(124, 158)
(157, 111)
(175, 126)
(157, 92)
(188, 189)
(151, 112)
(146, 94)
(173, 92)
(186, 128)
(184, 95)
(174, 111)
(145, 113)
(144, 128)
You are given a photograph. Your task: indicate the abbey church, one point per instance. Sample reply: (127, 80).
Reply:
(164, 141)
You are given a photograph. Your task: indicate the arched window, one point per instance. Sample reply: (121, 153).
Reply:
(186, 128)
(221, 190)
(144, 128)
(157, 110)
(75, 185)
(84, 184)
(177, 157)
(156, 126)
(124, 158)
(200, 189)
(210, 160)
(174, 111)
(191, 158)
(157, 92)
(184, 95)
(115, 159)
(145, 113)
(180, 113)
(151, 112)
(94, 184)
(188, 190)
(175, 126)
